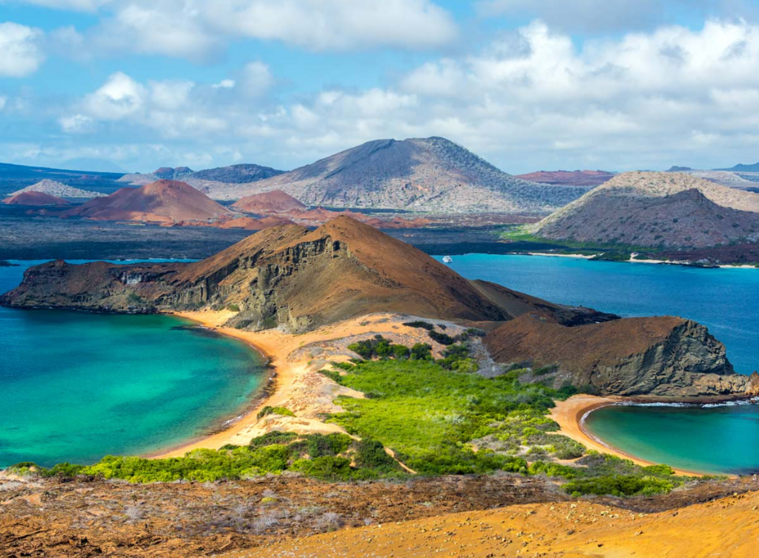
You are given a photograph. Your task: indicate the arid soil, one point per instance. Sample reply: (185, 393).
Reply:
(34, 199)
(270, 517)
(163, 201)
(727, 527)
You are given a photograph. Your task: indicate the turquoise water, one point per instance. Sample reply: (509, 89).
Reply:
(725, 300)
(77, 386)
(714, 440)
(718, 440)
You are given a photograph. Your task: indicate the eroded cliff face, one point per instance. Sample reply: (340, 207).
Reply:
(664, 358)
(289, 277)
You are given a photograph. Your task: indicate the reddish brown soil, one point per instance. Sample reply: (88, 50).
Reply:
(37, 199)
(160, 202)
(85, 519)
(275, 201)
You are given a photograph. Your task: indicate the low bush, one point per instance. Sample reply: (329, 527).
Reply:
(268, 410)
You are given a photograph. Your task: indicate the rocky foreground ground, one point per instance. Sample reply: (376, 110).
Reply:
(273, 516)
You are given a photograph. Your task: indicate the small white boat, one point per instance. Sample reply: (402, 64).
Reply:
(447, 259)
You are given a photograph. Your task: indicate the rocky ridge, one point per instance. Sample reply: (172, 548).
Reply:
(657, 210)
(428, 175)
(291, 278)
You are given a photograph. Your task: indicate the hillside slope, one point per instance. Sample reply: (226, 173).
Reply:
(60, 190)
(32, 198)
(656, 209)
(275, 201)
(432, 174)
(161, 201)
(587, 178)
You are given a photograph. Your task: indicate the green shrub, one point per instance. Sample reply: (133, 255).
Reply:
(421, 351)
(622, 485)
(271, 438)
(233, 307)
(420, 325)
(269, 410)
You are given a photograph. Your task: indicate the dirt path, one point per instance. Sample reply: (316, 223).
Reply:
(724, 528)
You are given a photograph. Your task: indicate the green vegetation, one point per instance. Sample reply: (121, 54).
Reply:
(615, 251)
(285, 412)
(327, 457)
(438, 417)
(233, 307)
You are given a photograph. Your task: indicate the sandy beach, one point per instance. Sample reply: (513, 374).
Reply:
(569, 415)
(296, 384)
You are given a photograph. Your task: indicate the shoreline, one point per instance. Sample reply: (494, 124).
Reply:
(682, 263)
(294, 361)
(571, 414)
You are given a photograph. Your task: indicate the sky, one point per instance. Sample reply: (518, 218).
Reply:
(527, 84)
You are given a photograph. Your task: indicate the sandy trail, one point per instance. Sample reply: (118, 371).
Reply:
(296, 382)
(727, 528)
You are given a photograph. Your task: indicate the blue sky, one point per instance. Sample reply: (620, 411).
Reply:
(528, 84)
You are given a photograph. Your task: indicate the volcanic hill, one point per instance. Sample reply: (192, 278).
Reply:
(587, 178)
(429, 175)
(297, 279)
(657, 209)
(265, 203)
(163, 201)
(237, 174)
(59, 190)
(32, 198)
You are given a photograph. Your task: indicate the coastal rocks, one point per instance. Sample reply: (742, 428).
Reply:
(291, 278)
(665, 358)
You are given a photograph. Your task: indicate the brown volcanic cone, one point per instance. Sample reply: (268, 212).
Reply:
(291, 276)
(37, 199)
(161, 201)
(275, 201)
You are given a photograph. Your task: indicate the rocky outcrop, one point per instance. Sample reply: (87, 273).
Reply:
(665, 358)
(292, 277)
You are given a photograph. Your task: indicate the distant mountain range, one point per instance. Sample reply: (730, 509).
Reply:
(17, 177)
(743, 168)
(432, 175)
(587, 178)
(654, 209)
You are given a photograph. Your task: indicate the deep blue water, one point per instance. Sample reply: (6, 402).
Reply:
(714, 440)
(724, 300)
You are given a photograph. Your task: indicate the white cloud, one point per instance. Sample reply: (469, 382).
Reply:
(75, 123)
(118, 98)
(20, 50)
(338, 24)
(581, 15)
(256, 79)
(531, 99)
(199, 29)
